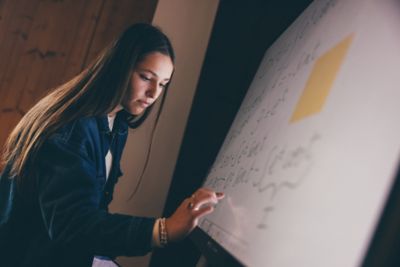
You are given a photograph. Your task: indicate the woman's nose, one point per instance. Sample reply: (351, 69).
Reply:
(152, 91)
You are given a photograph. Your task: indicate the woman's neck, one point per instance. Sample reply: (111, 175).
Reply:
(114, 111)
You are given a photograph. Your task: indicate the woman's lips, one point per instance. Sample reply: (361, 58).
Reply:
(144, 103)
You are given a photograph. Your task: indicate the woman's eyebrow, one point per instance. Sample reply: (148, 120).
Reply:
(152, 72)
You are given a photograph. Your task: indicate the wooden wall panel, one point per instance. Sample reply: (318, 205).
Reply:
(115, 17)
(50, 45)
(44, 43)
(17, 18)
(82, 40)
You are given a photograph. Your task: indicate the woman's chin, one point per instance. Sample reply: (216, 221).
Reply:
(135, 111)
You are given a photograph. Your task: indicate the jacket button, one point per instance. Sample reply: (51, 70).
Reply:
(106, 193)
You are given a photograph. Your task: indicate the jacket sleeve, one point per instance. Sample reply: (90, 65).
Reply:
(69, 196)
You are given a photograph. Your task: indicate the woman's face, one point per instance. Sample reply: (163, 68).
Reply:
(149, 78)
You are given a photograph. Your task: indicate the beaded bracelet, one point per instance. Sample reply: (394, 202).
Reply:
(163, 233)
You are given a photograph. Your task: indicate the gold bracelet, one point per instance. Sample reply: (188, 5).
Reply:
(163, 235)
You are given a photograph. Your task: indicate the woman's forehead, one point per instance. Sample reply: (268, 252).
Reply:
(157, 64)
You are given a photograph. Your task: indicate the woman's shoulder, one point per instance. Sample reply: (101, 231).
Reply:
(82, 133)
(77, 128)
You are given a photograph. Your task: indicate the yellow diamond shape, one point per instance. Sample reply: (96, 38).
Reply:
(321, 80)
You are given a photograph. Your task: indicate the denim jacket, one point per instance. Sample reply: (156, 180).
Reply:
(66, 222)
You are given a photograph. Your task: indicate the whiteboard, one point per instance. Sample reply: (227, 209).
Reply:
(312, 154)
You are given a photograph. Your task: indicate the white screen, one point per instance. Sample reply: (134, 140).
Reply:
(313, 151)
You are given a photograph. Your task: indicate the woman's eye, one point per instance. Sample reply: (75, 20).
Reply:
(144, 78)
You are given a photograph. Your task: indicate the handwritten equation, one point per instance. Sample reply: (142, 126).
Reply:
(264, 171)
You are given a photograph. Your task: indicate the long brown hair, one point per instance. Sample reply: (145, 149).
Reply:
(96, 91)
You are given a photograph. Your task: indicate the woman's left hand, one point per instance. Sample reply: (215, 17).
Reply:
(186, 216)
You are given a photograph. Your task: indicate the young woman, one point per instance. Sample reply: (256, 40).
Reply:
(63, 159)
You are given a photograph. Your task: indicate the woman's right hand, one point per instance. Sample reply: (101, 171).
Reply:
(186, 216)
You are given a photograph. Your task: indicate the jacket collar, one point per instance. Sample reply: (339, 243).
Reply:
(120, 123)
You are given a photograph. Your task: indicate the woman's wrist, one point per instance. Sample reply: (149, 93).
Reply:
(155, 240)
(160, 236)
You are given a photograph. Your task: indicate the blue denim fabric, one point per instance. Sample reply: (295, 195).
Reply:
(65, 221)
